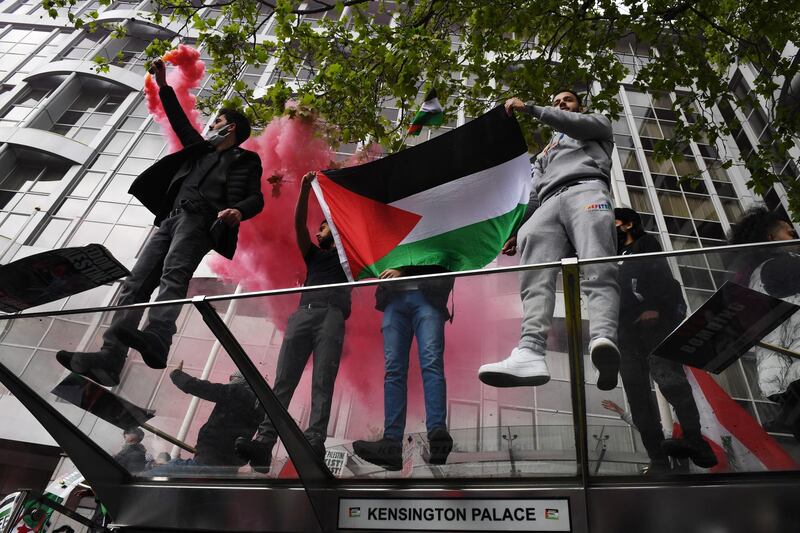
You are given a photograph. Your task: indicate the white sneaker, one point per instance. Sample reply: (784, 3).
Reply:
(523, 367)
(605, 357)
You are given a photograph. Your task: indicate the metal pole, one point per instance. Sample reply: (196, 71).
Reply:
(212, 358)
(778, 349)
(570, 272)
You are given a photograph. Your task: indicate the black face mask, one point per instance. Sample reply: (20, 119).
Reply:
(622, 236)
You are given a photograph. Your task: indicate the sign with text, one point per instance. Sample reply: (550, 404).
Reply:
(724, 328)
(440, 514)
(49, 276)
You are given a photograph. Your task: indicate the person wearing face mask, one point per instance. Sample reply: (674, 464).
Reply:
(316, 326)
(651, 306)
(211, 182)
(773, 271)
(570, 208)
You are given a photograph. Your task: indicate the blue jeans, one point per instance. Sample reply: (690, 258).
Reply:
(406, 315)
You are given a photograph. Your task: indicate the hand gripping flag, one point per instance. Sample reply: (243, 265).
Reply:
(430, 114)
(452, 201)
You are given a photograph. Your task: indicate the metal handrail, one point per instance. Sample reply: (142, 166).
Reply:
(377, 282)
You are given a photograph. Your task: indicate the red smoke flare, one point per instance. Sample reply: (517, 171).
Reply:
(187, 76)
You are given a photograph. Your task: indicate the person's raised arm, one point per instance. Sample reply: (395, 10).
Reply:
(177, 118)
(213, 392)
(301, 214)
(580, 126)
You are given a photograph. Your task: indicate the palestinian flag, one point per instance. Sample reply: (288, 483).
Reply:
(738, 441)
(430, 114)
(452, 201)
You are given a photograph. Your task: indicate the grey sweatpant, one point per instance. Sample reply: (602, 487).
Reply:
(580, 218)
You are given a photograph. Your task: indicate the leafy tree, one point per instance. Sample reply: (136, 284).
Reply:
(477, 53)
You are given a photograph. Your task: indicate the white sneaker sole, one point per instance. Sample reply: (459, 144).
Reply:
(500, 379)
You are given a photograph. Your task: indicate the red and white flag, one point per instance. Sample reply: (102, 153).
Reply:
(738, 441)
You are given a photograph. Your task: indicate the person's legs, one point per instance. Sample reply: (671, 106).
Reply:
(589, 221)
(328, 340)
(428, 322)
(541, 239)
(190, 244)
(635, 373)
(105, 365)
(398, 333)
(292, 359)
(673, 384)
(138, 287)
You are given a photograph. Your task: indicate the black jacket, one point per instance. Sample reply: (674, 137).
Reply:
(132, 457)
(436, 291)
(648, 285)
(236, 414)
(239, 169)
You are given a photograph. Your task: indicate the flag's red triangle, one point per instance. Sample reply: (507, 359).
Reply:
(368, 230)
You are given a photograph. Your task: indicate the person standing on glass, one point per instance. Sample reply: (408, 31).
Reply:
(210, 184)
(317, 326)
(651, 306)
(570, 209)
(412, 309)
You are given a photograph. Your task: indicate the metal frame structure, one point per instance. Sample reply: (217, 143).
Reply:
(736, 502)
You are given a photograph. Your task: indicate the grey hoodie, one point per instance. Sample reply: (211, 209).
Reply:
(580, 148)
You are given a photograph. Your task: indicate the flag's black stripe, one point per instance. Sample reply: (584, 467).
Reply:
(487, 141)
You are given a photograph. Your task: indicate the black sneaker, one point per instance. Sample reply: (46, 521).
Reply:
(101, 367)
(695, 448)
(256, 452)
(154, 352)
(441, 444)
(386, 453)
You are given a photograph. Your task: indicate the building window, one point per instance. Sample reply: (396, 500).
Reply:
(26, 180)
(17, 45)
(25, 104)
(90, 110)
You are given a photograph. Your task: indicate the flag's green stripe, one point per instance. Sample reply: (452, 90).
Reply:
(466, 248)
(426, 118)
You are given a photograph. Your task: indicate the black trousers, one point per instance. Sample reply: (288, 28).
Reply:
(167, 262)
(319, 330)
(636, 341)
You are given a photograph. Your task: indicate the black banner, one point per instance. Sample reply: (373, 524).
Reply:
(49, 276)
(724, 328)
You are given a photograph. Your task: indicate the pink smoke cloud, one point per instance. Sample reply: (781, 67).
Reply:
(186, 77)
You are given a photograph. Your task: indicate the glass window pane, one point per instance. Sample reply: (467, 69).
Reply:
(639, 200)
(628, 159)
(673, 205)
(701, 207)
(52, 233)
(659, 167)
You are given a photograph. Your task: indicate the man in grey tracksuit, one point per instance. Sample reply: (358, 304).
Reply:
(570, 209)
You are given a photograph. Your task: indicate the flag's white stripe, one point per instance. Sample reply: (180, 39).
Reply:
(431, 106)
(337, 238)
(474, 198)
(713, 430)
